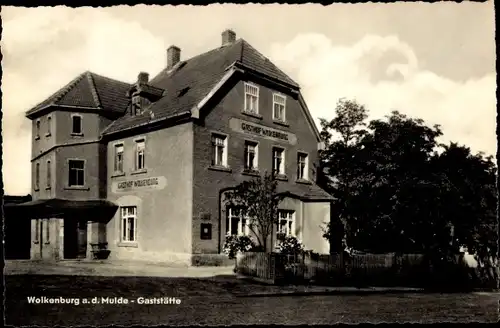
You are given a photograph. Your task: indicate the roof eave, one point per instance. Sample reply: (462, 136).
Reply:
(180, 115)
(311, 121)
(293, 87)
(33, 114)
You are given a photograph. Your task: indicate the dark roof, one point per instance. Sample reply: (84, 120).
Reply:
(16, 199)
(57, 206)
(190, 81)
(89, 91)
(304, 191)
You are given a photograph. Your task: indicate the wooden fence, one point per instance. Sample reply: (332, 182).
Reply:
(334, 268)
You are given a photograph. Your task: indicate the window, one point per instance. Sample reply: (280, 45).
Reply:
(47, 231)
(206, 231)
(37, 176)
(286, 223)
(76, 173)
(119, 158)
(251, 98)
(251, 158)
(49, 174)
(278, 161)
(140, 146)
(279, 102)
(77, 124)
(37, 230)
(219, 152)
(136, 105)
(129, 224)
(49, 125)
(37, 130)
(236, 224)
(302, 166)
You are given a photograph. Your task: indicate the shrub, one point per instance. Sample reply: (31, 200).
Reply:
(291, 245)
(236, 244)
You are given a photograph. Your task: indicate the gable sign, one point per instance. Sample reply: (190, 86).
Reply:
(262, 131)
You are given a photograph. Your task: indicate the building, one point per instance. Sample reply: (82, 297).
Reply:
(141, 169)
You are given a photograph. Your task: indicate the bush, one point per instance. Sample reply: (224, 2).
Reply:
(291, 245)
(237, 244)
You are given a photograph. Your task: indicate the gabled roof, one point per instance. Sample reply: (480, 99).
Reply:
(190, 81)
(88, 91)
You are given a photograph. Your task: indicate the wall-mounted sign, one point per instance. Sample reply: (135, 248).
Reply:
(153, 183)
(261, 131)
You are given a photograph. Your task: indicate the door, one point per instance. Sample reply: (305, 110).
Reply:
(70, 239)
(82, 239)
(75, 239)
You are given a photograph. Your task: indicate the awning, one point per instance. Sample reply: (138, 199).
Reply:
(99, 209)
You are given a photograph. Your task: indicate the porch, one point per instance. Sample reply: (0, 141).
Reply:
(65, 229)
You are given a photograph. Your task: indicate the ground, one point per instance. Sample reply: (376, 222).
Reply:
(223, 300)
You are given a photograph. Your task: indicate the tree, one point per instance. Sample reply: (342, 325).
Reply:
(258, 200)
(404, 192)
(337, 167)
(393, 184)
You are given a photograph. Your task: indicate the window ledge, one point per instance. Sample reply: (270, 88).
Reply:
(36, 189)
(76, 188)
(76, 134)
(48, 188)
(281, 177)
(254, 173)
(256, 115)
(36, 242)
(37, 138)
(47, 242)
(304, 181)
(118, 174)
(128, 244)
(220, 168)
(282, 123)
(47, 134)
(141, 171)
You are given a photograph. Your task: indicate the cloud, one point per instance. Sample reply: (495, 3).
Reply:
(383, 74)
(44, 48)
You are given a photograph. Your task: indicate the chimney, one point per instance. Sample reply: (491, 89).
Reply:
(173, 56)
(143, 78)
(228, 37)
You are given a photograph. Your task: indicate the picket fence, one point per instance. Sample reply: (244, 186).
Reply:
(274, 267)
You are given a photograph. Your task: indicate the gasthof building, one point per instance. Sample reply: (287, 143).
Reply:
(141, 169)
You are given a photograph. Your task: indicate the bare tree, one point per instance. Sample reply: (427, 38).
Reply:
(257, 199)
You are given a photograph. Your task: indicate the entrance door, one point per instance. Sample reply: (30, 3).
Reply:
(82, 239)
(75, 239)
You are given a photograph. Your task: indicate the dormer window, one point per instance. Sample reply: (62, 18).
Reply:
(136, 105)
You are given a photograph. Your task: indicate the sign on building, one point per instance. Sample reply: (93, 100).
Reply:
(152, 183)
(262, 131)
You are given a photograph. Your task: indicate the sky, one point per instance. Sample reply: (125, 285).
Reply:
(431, 61)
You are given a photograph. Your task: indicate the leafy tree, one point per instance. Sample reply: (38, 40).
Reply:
(396, 192)
(258, 199)
(341, 137)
